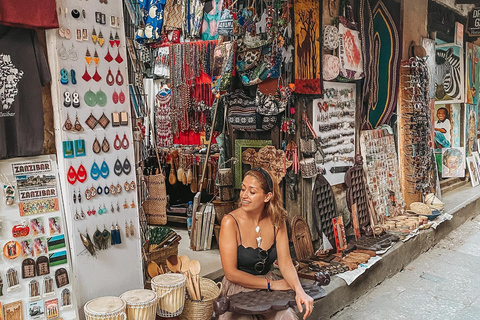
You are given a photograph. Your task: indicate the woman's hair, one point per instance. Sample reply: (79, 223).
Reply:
(452, 152)
(274, 206)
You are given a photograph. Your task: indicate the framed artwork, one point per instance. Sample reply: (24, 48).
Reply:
(458, 34)
(472, 83)
(308, 34)
(453, 162)
(442, 125)
(240, 146)
(449, 74)
(471, 124)
(429, 46)
(473, 170)
(457, 125)
(476, 155)
(13, 310)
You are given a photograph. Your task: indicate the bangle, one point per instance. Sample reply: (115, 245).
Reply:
(268, 285)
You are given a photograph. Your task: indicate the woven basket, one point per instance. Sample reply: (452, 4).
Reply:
(155, 206)
(159, 256)
(202, 310)
(420, 208)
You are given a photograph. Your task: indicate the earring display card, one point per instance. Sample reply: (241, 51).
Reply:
(334, 123)
(103, 112)
(36, 184)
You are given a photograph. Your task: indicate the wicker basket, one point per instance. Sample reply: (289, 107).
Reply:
(155, 206)
(202, 310)
(159, 256)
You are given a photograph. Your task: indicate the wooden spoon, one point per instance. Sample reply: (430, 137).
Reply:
(193, 185)
(172, 179)
(174, 264)
(180, 171)
(195, 270)
(185, 269)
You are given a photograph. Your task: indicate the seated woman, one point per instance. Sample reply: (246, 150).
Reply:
(251, 239)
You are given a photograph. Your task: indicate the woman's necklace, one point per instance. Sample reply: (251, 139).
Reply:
(259, 235)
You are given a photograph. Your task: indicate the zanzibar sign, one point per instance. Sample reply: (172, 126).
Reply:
(473, 22)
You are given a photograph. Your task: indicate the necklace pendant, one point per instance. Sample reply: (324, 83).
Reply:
(257, 229)
(259, 241)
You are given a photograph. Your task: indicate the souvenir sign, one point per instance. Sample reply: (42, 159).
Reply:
(54, 225)
(51, 309)
(43, 268)
(28, 268)
(12, 249)
(56, 242)
(36, 310)
(34, 288)
(40, 246)
(58, 258)
(13, 310)
(12, 280)
(48, 287)
(61, 277)
(37, 226)
(20, 230)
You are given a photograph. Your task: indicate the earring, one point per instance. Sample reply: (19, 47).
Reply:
(86, 76)
(111, 40)
(67, 102)
(71, 175)
(95, 171)
(132, 230)
(118, 207)
(72, 76)
(64, 76)
(112, 189)
(105, 145)
(121, 97)
(125, 205)
(96, 76)
(99, 191)
(118, 168)
(115, 97)
(118, 188)
(78, 127)
(88, 195)
(81, 174)
(67, 126)
(100, 40)
(127, 167)
(96, 146)
(117, 39)
(119, 58)
(117, 144)
(68, 149)
(79, 148)
(101, 98)
(104, 170)
(110, 79)
(112, 209)
(108, 56)
(119, 78)
(94, 36)
(75, 100)
(62, 52)
(132, 205)
(127, 233)
(79, 197)
(106, 190)
(88, 57)
(125, 143)
(126, 186)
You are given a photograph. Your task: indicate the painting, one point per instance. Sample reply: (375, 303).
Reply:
(449, 75)
(443, 126)
(429, 46)
(473, 170)
(456, 124)
(242, 145)
(476, 155)
(458, 34)
(472, 56)
(471, 124)
(453, 162)
(307, 47)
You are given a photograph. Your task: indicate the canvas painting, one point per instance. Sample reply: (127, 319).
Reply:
(443, 126)
(472, 169)
(476, 155)
(453, 162)
(449, 75)
(457, 125)
(472, 82)
(471, 124)
(458, 34)
(429, 46)
(307, 47)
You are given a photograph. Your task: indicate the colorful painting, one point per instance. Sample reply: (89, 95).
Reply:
(453, 162)
(443, 126)
(472, 169)
(471, 124)
(472, 77)
(307, 47)
(429, 46)
(456, 124)
(449, 75)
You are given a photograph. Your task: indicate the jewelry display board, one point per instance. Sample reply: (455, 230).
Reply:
(32, 236)
(381, 168)
(324, 208)
(93, 123)
(356, 192)
(334, 123)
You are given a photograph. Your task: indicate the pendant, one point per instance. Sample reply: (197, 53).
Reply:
(259, 241)
(257, 229)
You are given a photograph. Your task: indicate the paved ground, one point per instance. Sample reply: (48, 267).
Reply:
(443, 283)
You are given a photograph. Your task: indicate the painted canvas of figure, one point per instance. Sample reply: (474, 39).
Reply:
(453, 162)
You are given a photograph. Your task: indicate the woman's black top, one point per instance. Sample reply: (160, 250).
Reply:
(256, 261)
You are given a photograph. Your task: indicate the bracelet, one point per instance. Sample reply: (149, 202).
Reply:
(268, 285)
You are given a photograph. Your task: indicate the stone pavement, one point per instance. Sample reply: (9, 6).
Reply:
(442, 283)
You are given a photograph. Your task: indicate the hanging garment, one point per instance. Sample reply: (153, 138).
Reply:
(173, 15)
(163, 118)
(41, 14)
(211, 17)
(153, 20)
(193, 18)
(24, 72)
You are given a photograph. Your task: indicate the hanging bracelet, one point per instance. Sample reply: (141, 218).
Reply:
(268, 285)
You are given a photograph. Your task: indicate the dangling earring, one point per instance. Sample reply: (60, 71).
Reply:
(119, 58)
(127, 233)
(110, 79)
(96, 59)
(115, 97)
(88, 57)
(108, 57)
(121, 97)
(86, 76)
(132, 230)
(119, 78)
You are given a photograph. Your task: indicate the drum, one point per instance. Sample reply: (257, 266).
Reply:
(105, 308)
(170, 288)
(141, 304)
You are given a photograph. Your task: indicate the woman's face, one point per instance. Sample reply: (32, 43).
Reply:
(453, 162)
(252, 196)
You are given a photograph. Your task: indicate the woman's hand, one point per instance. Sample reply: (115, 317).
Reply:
(280, 285)
(303, 298)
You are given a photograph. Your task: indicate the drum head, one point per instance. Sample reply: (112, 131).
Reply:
(104, 305)
(168, 279)
(139, 296)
